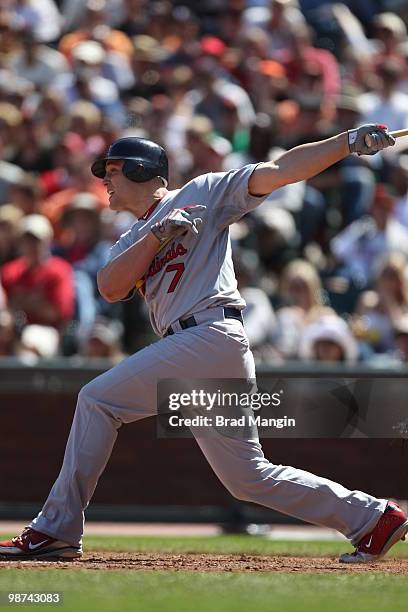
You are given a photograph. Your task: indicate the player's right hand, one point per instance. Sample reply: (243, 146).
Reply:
(177, 221)
(369, 139)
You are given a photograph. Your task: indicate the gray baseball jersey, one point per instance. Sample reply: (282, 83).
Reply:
(193, 273)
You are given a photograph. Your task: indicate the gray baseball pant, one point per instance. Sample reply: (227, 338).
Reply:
(128, 392)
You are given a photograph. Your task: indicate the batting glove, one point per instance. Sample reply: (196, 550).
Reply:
(369, 139)
(177, 222)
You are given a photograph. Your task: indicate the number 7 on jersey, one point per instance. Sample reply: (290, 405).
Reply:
(178, 268)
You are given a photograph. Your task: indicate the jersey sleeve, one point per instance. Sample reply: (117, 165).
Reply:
(135, 233)
(228, 195)
(125, 241)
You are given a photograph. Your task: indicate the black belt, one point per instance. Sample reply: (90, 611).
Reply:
(229, 313)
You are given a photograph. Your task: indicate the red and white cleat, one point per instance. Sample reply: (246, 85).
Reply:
(31, 544)
(392, 527)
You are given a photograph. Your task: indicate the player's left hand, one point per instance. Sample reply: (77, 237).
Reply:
(369, 139)
(177, 221)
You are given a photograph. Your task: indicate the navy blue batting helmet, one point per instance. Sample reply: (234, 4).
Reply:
(144, 160)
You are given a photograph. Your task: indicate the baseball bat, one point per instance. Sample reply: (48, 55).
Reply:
(399, 133)
(396, 134)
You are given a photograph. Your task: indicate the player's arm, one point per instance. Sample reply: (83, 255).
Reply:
(305, 161)
(118, 278)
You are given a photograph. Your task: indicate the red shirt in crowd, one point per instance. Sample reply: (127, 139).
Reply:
(51, 282)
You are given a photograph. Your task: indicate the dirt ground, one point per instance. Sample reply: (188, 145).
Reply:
(211, 563)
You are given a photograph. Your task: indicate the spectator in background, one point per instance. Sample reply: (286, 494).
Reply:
(38, 286)
(21, 15)
(184, 40)
(148, 63)
(352, 46)
(71, 176)
(277, 18)
(26, 195)
(213, 88)
(328, 339)
(178, 82)
(232, 129)
(379, 309)
(42, 17)
(259, 316)
(103, 341)
(207, 150)
(302, 295)
(347, 108)
(253, 45)
(73, 12)
(81, 244)
(10, 217)
(158, 118)
(399, 180)
(135, 18)
(10, 174)
(112, 65)
(8, 334)
(403, 86)
(267, 84)
(47, 109)
(34, 150)
(162, 21)
(3, 300)
(95, 26)
(261, 138)
(38, 342)
(87, 82)
(361, 245)
(401, 338)
(37, 62)
(308, 67)
(85, 120)
(386, 104)
(390, 31)
(276, 237)
(10, 129)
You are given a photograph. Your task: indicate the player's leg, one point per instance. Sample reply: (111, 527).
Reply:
(125, 393)
(241, 466)
(121, 395)
(373, 525)
(243, 469)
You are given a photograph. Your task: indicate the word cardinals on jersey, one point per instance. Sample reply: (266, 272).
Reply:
(159, 262)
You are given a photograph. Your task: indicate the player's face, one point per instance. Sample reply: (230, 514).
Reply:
(119, 188)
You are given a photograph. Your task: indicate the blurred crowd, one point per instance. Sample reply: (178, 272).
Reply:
(322, 265)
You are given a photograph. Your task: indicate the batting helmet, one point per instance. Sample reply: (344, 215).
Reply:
(144, 160)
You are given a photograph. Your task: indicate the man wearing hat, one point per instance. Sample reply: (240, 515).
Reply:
(36, 284)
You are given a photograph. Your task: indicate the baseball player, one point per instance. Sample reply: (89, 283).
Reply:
(178, 256)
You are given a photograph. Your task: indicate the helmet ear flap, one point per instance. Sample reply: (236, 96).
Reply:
(134, 171)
